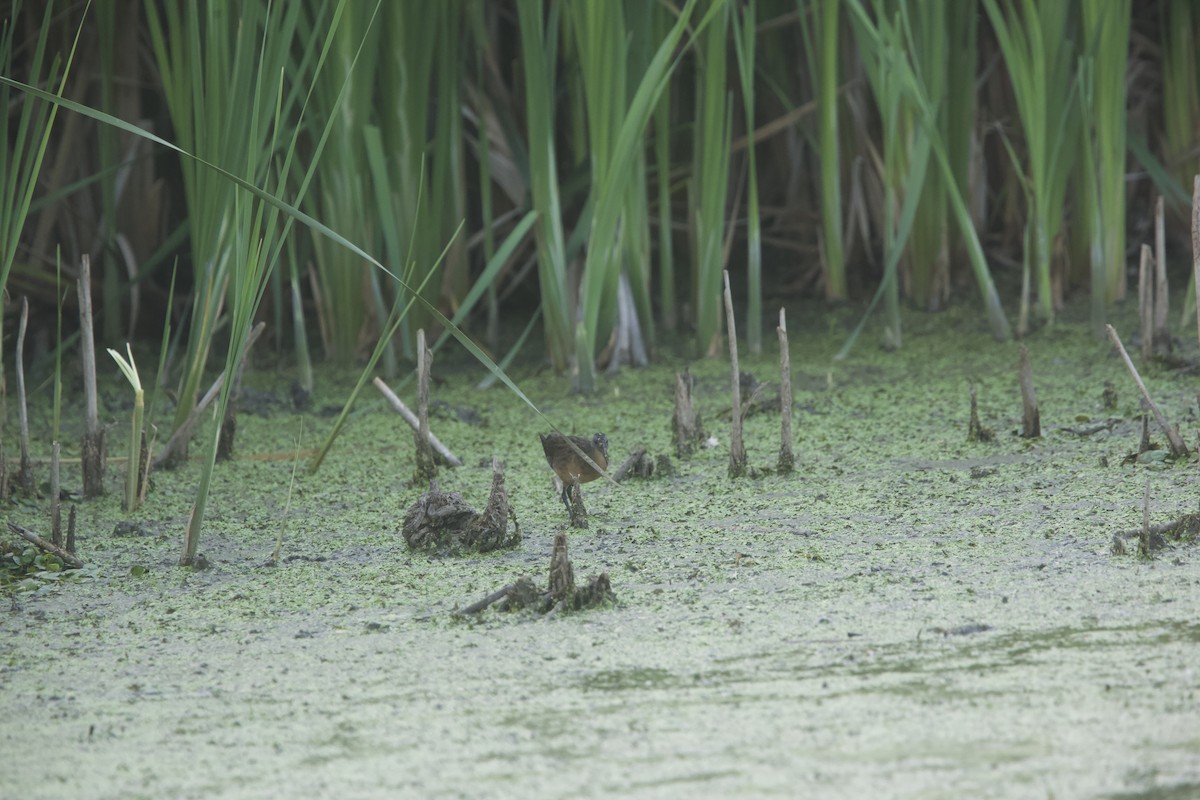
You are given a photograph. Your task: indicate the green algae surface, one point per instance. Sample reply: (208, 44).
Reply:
(908, 614)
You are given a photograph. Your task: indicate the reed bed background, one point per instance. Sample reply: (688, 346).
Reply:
(349, 172)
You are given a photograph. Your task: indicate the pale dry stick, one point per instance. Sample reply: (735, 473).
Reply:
(1162, 300)
(398, 406)
(71, 529)
(184, 432)
(93, 435)
(287, 505)
(55, 502)
(480, 605)
(1196, 248)
(1031, 417)
(787, 459)
(737, 448)
(144, 463)
(42, 544)
(1178, 448)
(426, 467)
(25, 475)
(1146, 302)
(1144, 537)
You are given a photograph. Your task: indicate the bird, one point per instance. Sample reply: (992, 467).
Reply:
(567, 464)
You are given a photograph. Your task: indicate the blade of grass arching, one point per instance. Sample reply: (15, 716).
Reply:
(391, 362)
(399, 312)
(543, 172)
(282, 206)
(1106, 26)
(259, 193)
(1165, 183)
(744, 33)
(491, 378)
(488, 276)
(404, 300)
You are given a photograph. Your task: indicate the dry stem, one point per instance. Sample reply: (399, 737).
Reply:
(398, 406)
(1178, 448)
(737, 447)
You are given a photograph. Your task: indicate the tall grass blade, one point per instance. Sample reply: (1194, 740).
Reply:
(710, 174)
(537, 60)
(1031, 37)
(23, 142)
(1106, 26)
(744, 33)
(821, 49)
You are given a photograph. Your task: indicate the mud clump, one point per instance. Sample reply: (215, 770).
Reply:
(561, 596)
(443, 522)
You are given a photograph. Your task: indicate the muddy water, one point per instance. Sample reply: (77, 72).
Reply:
(908, 615)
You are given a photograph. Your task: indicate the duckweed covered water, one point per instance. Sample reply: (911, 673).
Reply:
(907, 615)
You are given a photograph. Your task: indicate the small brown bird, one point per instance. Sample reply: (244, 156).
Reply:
(567, 464)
